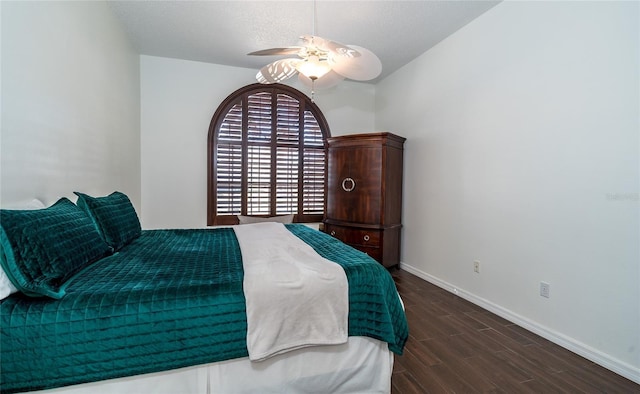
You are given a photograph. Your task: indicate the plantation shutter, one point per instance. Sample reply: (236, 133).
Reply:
(287, 153)
(229, 163)
(313, 167)
(266, 156)
(259, 154)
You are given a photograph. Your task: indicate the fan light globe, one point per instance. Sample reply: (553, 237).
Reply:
(313, 68)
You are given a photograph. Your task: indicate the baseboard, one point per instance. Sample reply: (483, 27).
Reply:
(623, 369)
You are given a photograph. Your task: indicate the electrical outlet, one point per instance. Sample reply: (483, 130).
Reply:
(544, 289)
(476, 267)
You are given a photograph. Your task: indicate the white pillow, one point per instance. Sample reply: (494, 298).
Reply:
(6, 287)
(25, 205)
(286, 219)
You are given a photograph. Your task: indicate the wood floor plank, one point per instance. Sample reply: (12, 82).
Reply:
(448, 375)
(498, 324)
(539, 356)
(467, 323)
(423, 352)
(531, 337)
(570, 357)
(501, 374)
(456, 346)
(536, 386)
(420, 372)
(484, 340)
(616, 382)
(497, 336)
(405, 383)
(453, 352)
(430, 328)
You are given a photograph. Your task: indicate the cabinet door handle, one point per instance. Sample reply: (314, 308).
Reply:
(348, 184)
(333, 233)
(366, 238)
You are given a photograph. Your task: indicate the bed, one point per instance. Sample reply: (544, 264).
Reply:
(114, 308)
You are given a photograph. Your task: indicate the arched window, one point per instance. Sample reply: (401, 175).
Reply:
(266, 156)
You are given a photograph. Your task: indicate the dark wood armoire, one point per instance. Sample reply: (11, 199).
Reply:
(364, 193)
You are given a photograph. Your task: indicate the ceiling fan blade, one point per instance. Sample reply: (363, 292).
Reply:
(331, 46)
(341, 49)
(362, 68)
(276, 51)
(278, 71)
(326, 81)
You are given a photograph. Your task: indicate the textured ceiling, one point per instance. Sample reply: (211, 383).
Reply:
(223, 32)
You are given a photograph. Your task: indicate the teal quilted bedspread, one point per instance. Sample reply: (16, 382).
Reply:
(170, 299)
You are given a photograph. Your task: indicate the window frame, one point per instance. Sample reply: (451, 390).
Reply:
(241, 96)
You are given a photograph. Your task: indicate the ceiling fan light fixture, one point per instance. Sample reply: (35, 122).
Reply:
(313, 68)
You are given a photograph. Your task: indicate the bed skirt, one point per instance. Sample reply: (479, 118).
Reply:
(361, 365)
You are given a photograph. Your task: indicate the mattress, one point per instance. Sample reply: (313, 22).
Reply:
(170, 299)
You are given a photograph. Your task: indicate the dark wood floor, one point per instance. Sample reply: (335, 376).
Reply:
(456, 346)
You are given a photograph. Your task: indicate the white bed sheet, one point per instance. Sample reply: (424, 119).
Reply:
(362, 365)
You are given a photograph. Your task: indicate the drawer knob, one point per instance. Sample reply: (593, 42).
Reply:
(366, 238)
(333, 233)
(348, 184)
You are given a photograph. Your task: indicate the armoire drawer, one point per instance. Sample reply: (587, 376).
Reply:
(355, 236)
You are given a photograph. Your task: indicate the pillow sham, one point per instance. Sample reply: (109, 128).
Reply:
(286, 219)
(6, 287)
(114, 217)
(44, 248)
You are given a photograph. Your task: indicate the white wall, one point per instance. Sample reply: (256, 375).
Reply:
(70, 103)
(522, 153)
(178, 100)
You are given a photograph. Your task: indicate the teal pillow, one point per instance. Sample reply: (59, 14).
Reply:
(114, 217)
(42, 249)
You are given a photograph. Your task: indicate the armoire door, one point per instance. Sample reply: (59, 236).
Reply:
(354, 184)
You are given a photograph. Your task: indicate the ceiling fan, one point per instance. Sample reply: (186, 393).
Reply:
(320, 63)
(319, 60)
